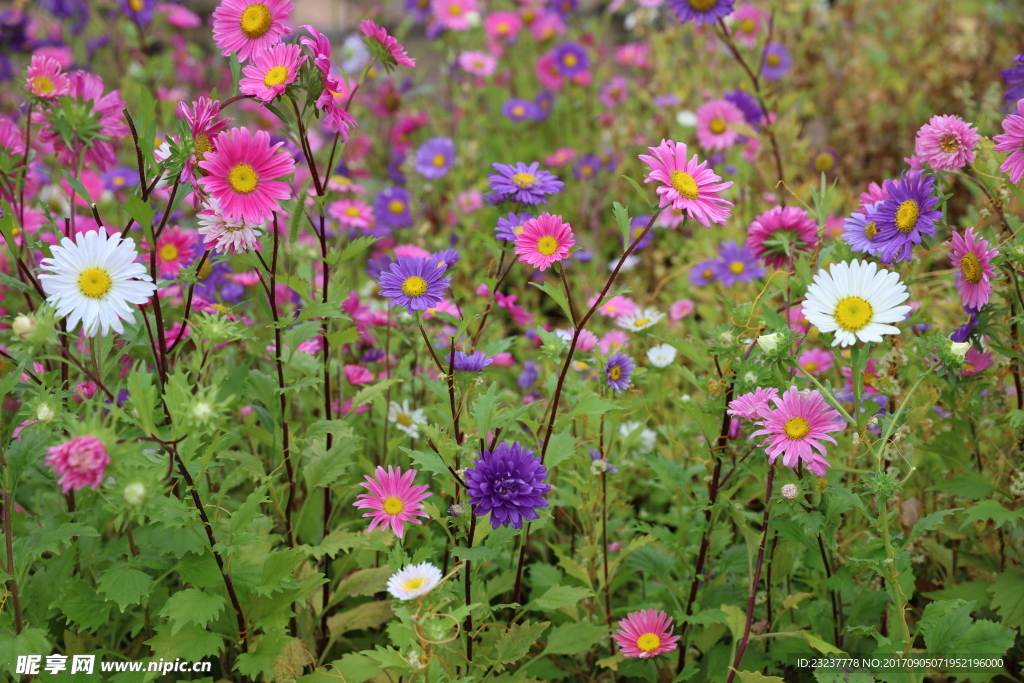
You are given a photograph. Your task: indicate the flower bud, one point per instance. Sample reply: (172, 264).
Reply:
(45, 412)
(789, 491)
(769, 342)
(134, 493)
(959, 349)
(23, 326)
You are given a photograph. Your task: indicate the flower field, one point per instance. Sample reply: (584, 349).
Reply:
(510, 341)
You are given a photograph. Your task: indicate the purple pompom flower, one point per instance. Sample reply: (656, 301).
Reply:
(507, 482)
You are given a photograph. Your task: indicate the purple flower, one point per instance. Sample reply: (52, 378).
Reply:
(395, 168)
(507, 482)
(377, 264)
(906, 215)
(636, 228)
(446, 257)
(120, 178)
(701, 11)
(669, 101)
(586, 167)
(391, 207)
(518, 109)
(565, 7)
(475, 362)
(618, 370)
(861, 233)
(608, 468)
(528, 376)
(414, 282)
(704, 273)
(510, 226)
(218, 284)
(1014, 77)
(143, 15)
(775, 61)
(747, 103)
(571, 59)
(522, 183)
(963, 333)
(435, 157)
(419, 10)
(737, 264)
(545, 101)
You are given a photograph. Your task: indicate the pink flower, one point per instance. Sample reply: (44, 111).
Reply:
(801, 231)
(410, 250)
(469, 201)
(393, 499)
(616, 307)
(645, 634)
(503, 25)
(548, 74)
(747, 405)
(796, 427)
(109, 122)
(544, 240)
(179, 17)
(357, 374)
(680, 309)
(80, 462)
(271, 72)
(477, 63)
(976, 362)
(875, 193)
(714, 120)
(388, 43)
(613, 341)
(228, 237)
(946, 143)
(816, 361)
(243, 173)
(175, 249)
(45, 78)
(1013, 142)
(84, 391)
(352, 213)
(686, 185)
(972, 256)
(746, 24)
(503, 359)
(453, 14)
(562, 156)
(869, 377)
(633, 54)
(249, 28)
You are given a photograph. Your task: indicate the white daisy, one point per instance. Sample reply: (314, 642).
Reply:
(640, 320)
(855, 301)
(661, 355)
(93, 281)
(413, 581)
(405, 419)
(227, 237)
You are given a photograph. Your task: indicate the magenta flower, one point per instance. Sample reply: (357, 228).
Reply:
(946, 143)
(387, 44)
(801, 232)
(392, 499)
(714, 124)
(271, 72)
(686, 185)
(646, 634)
(544, 240)
(972, 256)
(1013, 142)
(815, 361)
(243, 173)
(80, 462)
(796, 427)
(249, 28)
(45, 77)
(747, 405)
(108, 123)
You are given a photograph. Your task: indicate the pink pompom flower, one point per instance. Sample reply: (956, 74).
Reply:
(971, 255)
(646, 634)
(80, 462)
(795, 428)
(393, 499)
(544, 240)
(946, 143)
(686, 185)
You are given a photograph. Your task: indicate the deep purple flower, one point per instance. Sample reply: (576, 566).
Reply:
(522, 183)
(474, 362)
(377, 264)
(747, 103)
(545, 101)
(419, 10)
(963, 333)
(435, 157)
(776, 61)
(701, 11)
(518, 109)
(446, 257)
(510, 226)
(736, 264)
(218, 285)
(140, 11)
(395, 172)
(414, 282)
(565, 7)
(571, 59)
(618, 370)
(861, 233)
(586, 167)
(507, 482)
(704, 273)
(391, 207)
(1014, 77)
(906, 215)
(120, 178)
(636, 228)
(528, 376)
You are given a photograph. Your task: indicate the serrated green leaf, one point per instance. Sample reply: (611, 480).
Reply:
(190, 642)
(1008, 597)
(517, 641)
(929, 522)
(81, 604)
(365, 616)
(990, 510)
(593, 405)
(269, 647)
(944, 622)
(367, 394)
(571, 639)
(192, 606)
(248, 510)
(363, 582)
(278, 571)
(124, 585)
(31, 641)
(562, 596)
(356, 668)
(561, 448)
(142, 212)
(757, 677)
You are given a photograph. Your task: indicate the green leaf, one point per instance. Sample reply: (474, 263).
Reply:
(363, 582)
(929, 522)
(361, 617)
(31, 641)
(987, 510)
(367, 394)
(984, 637)
(735, 619)
(269, 647)
(124, 585)
(248, 510)
(483, 409)
(640, 191)
(143, 396)
(571, 639)
(200, 570)
(1008, 597)
(80, 604)
(818, 644)
(966, 486)
(758, 677)
(621, 216)
(192, 606)
(26, 452)
(562, 596)
(78, 187)
(190, 642)
(593, 405)
(477, 553)
(334, 543)
(428, 461)
(356, 668)
(561, 448)
(836, 676)
(969, 590)
(944, 622)
(279, 571)
(142, 212)
(557, 295)
(517, 641)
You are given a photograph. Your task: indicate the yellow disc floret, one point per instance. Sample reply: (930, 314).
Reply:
(853, 313)
(255, 20)
(243, 179)
(796, 428)
(94, 283)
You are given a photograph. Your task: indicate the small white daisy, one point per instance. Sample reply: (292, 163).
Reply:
(661, 355)
(413, 581)
(405, 419)
(856, 300)
(227, 237)
(640, 320)
(93, 281)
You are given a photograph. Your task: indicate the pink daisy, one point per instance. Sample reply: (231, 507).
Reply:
(503, 25)
(12, 140)
(453, 14)
(870, 377)
(249, 28)
(243, 174)
(746, 24)
(616, 307)
(335, 96)
(680, 309)
(477, 63)
(714, 121)
(352, 213)
(815, 361)
(271, 72)
(875, 193)
(393, 499)
(687, 185)
(544, 240)
(80, 462)
(387, 44)
(972, 256)
(109, 123)
(228, 237)
(800, 229)
(179, 17)
(646, 634)
(204, 124)
(946, 143)
(562, 156)
(796, 427)
(976, 362)
(45, 78)
(175, 249)
(1013, 142)
(747, 405)
(410, 250)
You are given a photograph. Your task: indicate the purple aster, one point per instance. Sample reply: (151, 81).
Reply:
(669, 101)
(825, 161)
(217, 285)
(414, 282)
(861, 233)
(570, 59)
(475, 362)
(775, 61)
(522, 183)
(372, 355)
(143, 15)
(609, 160)
(395, 168)
(618, 370)
(545, 101)
(435, 157)
(528, 376)
(565, 7)
(608, 468)
(906, 215)
(964, 332)
(510, 226)
(1014, 77)
(518, 109)
(747, 103)
(507, 482)
(446, 257)
(120, 178)
(704, 273)
(586, 167)
(419, 10)
(636, 228)
(391, 207)
(701, 11)
(737, 264)
(378, 264)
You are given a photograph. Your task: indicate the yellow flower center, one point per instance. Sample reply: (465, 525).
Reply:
(396, 206)
(737, 267)
(255, 20)
(773, 60)
(748, 26)
(455, 10)
(570, 60)
(853, 313)
(717, 126)
(413, 584)
(708, 274)
(168, 252)
(502, 28)
(94, 283)
(547, 245)
(518, 110)
(970, 267)
(870, 230)
(137, 5)
(43, 85)
(438, 160)
(202, 145)
(906, 216)
(649, 642)
(205, 270)
(276, 76)
(242, 178)
(796, 428)
(524, 180)
(869, 379)
(824, 162)
(518, 230)
(950, 144)
(810, 366)
(414, 286)
(615, 373)
(640, 322)
(684, 184)
(393, 505)
(118, 181)
(403, 419)
(352, 211)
